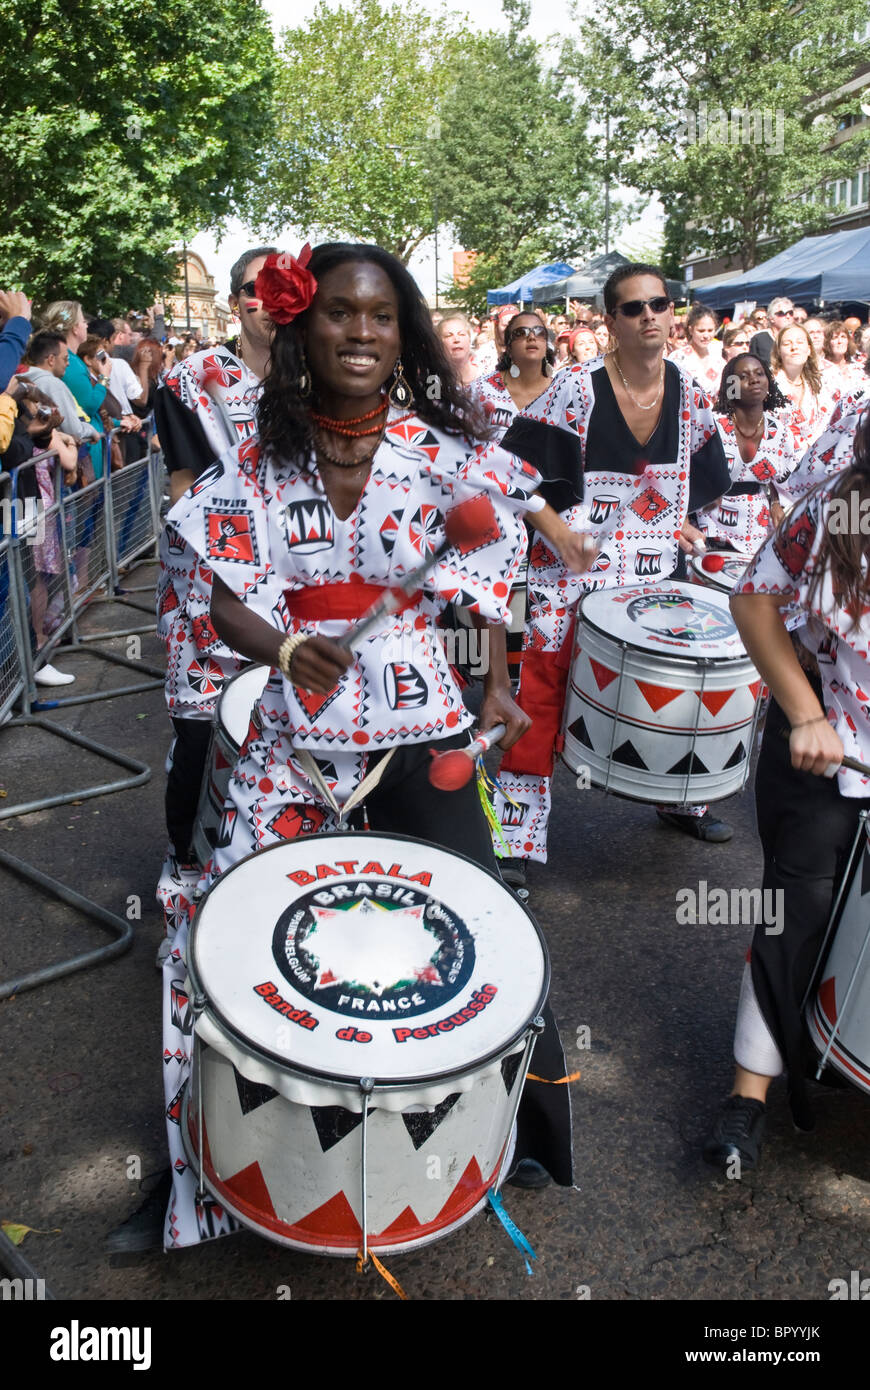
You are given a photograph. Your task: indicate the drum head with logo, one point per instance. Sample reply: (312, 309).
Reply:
(365, 955)
(238, 699)
(674, 620)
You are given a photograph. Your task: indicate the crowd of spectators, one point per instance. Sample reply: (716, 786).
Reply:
(76, 395)
(82, 389)
(816, 360)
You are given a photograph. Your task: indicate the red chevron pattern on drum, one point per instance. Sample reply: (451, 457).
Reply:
(657, 696)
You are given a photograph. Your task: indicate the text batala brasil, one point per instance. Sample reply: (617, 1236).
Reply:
(270, 995)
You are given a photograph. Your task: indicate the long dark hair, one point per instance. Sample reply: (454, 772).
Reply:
(843, 552)
(283, 415)
(725, 403)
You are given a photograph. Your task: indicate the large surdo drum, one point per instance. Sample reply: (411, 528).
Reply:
(365, 1009)
(662, 700)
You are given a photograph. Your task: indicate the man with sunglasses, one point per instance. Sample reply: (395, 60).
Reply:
(628, 447)
(780, 314)
(206, 405)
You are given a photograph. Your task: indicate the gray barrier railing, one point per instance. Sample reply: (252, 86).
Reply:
(60, 547)
(66, 560)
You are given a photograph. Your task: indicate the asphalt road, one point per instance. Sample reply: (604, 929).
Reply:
(81, 1095)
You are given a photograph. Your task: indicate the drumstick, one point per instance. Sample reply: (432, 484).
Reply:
(467, 523)
(451, 770)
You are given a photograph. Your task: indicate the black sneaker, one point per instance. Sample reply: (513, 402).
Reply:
(705, 827)
(144, 1229)
(737, 1133)
(513, 872)
(529, 1173)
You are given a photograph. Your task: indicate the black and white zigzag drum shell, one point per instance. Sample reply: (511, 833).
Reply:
(231, 722)
(338, 967)
(663, 700)
(839, 1016)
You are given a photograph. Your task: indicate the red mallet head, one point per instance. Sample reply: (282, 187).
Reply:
(451, 770)
(713, 563)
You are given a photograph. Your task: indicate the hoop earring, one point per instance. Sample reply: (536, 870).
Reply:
(303, 384)
(400, 394)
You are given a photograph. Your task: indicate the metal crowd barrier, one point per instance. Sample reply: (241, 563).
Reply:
(79, 524)
(59, 548)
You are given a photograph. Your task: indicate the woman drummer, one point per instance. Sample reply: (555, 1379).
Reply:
(357, 463)
(751, 416)
(808, 806)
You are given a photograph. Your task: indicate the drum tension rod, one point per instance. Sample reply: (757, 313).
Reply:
(366, 1086)
(198, 1006)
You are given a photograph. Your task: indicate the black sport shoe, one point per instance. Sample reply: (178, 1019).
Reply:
(513, 872)
(705, 827)
(737, 1133)
(144, 1229)
(529, 1173)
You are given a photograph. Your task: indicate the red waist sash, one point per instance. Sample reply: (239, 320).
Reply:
(320, 602)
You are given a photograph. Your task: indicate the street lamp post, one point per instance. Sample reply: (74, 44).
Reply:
(186, 286)
(606, 184)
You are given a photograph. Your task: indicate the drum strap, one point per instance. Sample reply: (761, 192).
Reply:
(368, 783)
(496, 1201)
(382, 1271)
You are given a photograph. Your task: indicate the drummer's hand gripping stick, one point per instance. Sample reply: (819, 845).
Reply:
(465, 525)
(451, 770)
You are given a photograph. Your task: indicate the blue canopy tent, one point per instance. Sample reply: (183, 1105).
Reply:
(518, 291)
(817, 270)
(589, 281)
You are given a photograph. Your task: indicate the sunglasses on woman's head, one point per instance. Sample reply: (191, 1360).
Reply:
(538, 331)
(633, 308)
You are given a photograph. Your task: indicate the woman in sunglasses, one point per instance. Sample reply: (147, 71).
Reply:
(735, 339)
(522, 372)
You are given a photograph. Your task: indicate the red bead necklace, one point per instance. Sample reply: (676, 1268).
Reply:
(326, 422)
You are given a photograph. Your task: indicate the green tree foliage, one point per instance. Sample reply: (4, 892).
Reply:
(391, 120)
(721, 109)
(127, 126)
(518, 176)
(358, 97)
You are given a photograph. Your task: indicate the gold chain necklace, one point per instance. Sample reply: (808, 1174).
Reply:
(743, 435)
(629, 391)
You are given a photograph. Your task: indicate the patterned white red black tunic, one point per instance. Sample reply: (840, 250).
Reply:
(839, 637)
(635, 510)
(742, 516)
(252, 516)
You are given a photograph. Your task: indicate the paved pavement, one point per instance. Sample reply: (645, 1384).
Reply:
(81, 1095)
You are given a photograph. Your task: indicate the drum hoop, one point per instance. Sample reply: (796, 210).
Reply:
(688, 661)
(859, 844)
(343, 1081)
(219, 721)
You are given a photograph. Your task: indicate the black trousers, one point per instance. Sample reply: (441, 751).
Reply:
(806, 829)
(183, 784)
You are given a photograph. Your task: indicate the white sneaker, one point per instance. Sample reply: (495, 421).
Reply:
(49, 675)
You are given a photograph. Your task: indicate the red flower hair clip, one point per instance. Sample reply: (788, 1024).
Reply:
(285, 286)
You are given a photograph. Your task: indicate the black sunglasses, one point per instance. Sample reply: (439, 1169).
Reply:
(249, 288)
(633, 308)
(538, 331)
